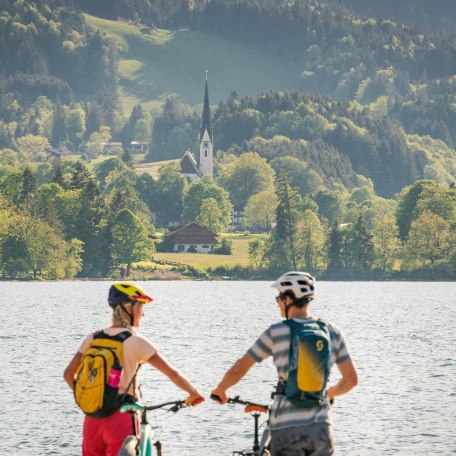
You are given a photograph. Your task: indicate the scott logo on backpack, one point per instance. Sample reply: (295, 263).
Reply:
(309, 363)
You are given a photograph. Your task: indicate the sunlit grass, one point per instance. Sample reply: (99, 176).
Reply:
(155, 63)
(240, 255)
(152, 168)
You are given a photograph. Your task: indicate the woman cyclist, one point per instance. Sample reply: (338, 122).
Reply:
(104, 436)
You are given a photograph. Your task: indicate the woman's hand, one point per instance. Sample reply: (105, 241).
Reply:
(194, 399)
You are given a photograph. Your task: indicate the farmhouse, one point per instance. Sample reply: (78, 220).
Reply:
(138, 147)
(193, 237)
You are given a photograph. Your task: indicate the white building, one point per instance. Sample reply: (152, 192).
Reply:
(188, 164)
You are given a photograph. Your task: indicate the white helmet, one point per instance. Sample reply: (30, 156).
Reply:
(301, 283)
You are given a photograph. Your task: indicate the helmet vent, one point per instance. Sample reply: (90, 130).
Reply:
(286, 284)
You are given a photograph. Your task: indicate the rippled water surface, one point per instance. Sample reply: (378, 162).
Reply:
(402, 338)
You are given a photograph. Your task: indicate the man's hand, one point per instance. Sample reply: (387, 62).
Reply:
(221, 395)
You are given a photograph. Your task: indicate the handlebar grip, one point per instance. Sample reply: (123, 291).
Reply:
(198, 400)
(216, 398)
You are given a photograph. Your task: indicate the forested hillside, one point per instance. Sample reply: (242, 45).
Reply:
(352, 174)
(432, 14)
(338, 54)
(47, 51)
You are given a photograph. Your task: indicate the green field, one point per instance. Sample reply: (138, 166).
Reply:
(155, 63)
(203, 261)
(153, 167)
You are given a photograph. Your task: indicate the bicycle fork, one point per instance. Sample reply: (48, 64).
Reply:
(158, 445)
(256, 443)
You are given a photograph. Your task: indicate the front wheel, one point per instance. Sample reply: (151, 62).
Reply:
(130, 446)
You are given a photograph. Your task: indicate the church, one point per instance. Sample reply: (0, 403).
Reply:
(188, 165)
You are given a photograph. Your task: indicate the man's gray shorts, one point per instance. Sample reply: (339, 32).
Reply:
(312, 440)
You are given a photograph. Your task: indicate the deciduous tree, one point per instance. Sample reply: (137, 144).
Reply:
(246, 176)
(430, 241)
(210, 215)
(260, 211)
(200, 190)
(130, 240)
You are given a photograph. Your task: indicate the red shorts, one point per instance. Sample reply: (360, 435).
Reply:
(104, 437)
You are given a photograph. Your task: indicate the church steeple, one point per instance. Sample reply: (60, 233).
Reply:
(206, 120)
(206, 144)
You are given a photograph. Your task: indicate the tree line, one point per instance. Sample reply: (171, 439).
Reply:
(61, 219)
(391, 142)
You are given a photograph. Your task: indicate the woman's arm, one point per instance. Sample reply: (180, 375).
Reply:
(71, 369)
(180, 380)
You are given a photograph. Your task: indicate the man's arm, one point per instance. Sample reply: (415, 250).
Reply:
(348, 381)
(233, 375)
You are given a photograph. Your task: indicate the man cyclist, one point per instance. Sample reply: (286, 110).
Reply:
(295, 430)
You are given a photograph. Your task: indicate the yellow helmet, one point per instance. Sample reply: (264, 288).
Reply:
(122, 292)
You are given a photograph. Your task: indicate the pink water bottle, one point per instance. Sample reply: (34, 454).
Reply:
(114, 375)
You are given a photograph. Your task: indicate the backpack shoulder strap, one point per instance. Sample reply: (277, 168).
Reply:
(121, 337)
(292, 324)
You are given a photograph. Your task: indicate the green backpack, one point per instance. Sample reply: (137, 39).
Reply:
(96, 388)
(309, 363)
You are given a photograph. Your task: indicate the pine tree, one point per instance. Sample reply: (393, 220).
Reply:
(335, 248)
(127, 158)
(362, 246)
(59, 177)
(287, 213)
(80, 177)
(127, 134)
(58, 125)
(28, 183)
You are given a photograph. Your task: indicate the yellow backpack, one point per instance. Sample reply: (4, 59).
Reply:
(96, 388)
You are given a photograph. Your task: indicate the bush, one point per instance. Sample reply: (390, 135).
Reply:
(225, 247)
(165, 245)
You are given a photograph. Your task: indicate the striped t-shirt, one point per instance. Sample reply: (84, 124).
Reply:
(275, 342)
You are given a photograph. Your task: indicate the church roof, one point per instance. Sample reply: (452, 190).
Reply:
(188, 165)
(206, 120)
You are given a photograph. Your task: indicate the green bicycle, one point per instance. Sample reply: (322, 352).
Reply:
(144, 446)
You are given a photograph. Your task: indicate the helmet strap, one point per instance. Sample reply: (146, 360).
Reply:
(287, 308)
(129, 314)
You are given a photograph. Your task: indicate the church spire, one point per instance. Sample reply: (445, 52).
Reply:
(206, 120)
(206, 165)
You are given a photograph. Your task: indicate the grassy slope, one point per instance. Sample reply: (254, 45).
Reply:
(153, 167)
(157, 63)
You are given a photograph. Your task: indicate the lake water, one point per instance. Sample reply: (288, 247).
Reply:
(401, 335)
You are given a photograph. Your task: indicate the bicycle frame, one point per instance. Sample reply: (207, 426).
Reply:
(144, 446)
(260, 448)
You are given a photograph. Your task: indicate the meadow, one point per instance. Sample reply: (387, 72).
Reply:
(156, 63)
(202, 261)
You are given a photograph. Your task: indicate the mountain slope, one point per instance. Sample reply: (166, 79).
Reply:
(155, 63)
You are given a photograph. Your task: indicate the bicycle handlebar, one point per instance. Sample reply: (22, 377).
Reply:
(238, 400)
(175, 406)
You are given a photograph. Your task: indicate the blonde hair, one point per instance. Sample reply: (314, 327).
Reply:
(118, 315)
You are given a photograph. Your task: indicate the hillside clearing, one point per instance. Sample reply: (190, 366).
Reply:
(156, 63)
